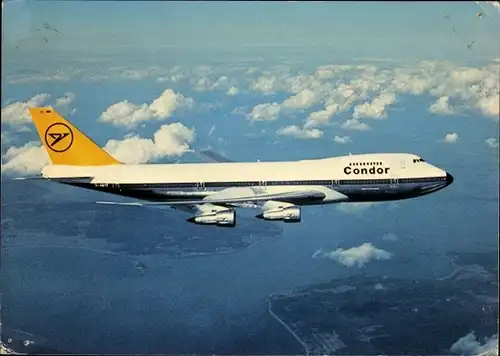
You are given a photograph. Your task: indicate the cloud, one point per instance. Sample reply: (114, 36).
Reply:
(207, 84)
(130, 115)
(297, 132)
(24, 160)
(470, 345)
(169, 140)
(450, 138)
(489, 105)
(354, 207)
(266, 85)
(33, 78)
(378, 286)
(359, 255)
(442, 106)
(321, 117)
(302, 100)
(355, 125)
(375, 109)
(389, 237)
(17, 113)
(232, 91)
(342, 140)
(492, 142)
(138, 74)
(265, 112)
(353, 85)
(65, 100)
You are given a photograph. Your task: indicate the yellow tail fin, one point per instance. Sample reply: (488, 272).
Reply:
(64, 143)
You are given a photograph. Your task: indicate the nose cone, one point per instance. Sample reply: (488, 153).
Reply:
(449, 178)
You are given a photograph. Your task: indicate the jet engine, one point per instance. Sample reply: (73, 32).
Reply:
(290, 214)
(223, 218)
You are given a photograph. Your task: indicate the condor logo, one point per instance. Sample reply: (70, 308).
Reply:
(378, 170)
(59, 137)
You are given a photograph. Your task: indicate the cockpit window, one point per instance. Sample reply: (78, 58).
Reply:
(416, 160)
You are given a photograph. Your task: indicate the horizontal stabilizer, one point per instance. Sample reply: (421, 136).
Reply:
(59, 180)
(29, 178)
(119, 203)
(214, 156)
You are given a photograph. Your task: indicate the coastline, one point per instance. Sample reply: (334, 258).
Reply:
(269, 308)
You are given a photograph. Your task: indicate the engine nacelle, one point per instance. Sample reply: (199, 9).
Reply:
(289, 214)
(223, 218)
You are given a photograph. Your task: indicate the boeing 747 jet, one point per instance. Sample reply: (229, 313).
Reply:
(212, 191)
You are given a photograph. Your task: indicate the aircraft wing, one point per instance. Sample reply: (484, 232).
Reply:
(290, 197)
(213, 156)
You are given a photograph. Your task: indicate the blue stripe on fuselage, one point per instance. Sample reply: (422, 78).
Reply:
(356, 190)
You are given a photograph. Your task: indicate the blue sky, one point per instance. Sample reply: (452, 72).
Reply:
(381, 28)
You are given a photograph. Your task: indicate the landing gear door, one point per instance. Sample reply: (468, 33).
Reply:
(394, 182)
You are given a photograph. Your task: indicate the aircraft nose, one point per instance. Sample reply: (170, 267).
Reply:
(449, 178)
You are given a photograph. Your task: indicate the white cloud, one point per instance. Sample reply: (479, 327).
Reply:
(173, 75)
(265, 112)
(27, 159)
(65, 100)
(130, 115)
(356, 125)
(342, 140)
(347, 85)
(232, 91)
(375, 109)
(442, 106)
(353, 208)
(302, 100)
(470, 345)
(389, 237)
(17, 113)
(169, 140)
(450, 138)
(205, 83)
(489, 106)
(492, 142)
(138, 74)
(359, 255)
(264, 84)
(33, 78)
(322, 116)
(297, 132)
(378, 286)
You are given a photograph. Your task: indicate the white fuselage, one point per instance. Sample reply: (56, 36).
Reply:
(392, 166)
(365, 177)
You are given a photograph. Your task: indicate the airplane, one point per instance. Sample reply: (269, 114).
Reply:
(211, 192)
